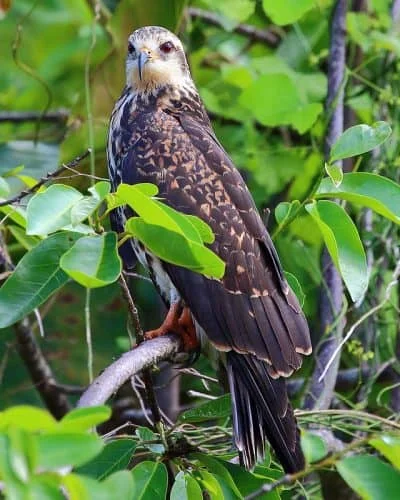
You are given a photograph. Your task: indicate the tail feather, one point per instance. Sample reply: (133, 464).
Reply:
(261, 411)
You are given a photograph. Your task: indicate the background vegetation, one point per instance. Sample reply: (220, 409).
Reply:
(277, 78)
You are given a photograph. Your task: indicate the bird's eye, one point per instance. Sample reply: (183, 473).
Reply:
(131, 48)
(167, 47)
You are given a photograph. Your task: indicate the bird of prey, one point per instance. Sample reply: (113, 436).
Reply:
(160, 133)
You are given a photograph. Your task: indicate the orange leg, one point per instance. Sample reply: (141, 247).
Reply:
(177, 321)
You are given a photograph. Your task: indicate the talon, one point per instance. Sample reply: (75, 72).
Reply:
(177, 321)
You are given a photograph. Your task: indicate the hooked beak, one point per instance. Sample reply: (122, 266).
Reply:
(143, 57)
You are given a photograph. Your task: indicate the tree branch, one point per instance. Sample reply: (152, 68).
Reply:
(40, 371)
(144, 356)
(321, 392)
(269, 37)
(45, 179)
(60, 115)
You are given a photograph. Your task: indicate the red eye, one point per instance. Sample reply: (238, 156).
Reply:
(167, 47)
(131, 48)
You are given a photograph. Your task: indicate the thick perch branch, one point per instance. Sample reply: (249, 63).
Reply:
(321, 392)
(144, 356)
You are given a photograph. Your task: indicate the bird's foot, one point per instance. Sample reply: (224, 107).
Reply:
(178, 320)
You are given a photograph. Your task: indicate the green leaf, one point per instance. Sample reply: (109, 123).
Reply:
(203, 229)
(62, 449)
(218, 408)
(22, 455)
(51, 210)
(260, 99)
(296, 287)
(285, 209)
(186, 227)
(335, 172)
(4, 188)
(115, 456)
(287, 12)
(28, 242)
(146, 434)
(83, 488)
(359, 139)
(369, 477)
(93, 261)
(248, 482)
(150, 481)
(175, 248)
(313, 446)
(369, 190)
(185, 487)
(217, 467)
(211, 484)
(83, 419)
(344, 245)
(37, 276)
(88, 204)
(389, 446)
(28, 418)
(120, 482)
(16, 214)
(45, 487)
(14, 488)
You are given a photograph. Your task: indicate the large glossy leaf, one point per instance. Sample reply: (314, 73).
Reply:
(369, 190)
(260, 99)
(369, 477)
(173, 247)
(28, 418)
(389, 446)
(360, 139)
(150, 481)
(217, 467)
(37, 276)
(185, 487)
(82, 419)
(218, 408)
(313, 446)
(248, 482)
(51, 210)
(88, 204)
(344, 245)
(57, 450)
(115, 456)
(288, 11)
(93, 261)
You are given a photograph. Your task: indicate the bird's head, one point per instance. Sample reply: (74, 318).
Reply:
(155, 59)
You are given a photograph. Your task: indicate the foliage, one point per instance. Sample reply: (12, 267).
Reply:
(266, 99)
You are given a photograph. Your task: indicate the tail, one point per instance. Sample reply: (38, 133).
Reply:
(261, 410)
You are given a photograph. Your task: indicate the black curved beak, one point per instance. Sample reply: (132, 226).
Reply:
(142, 59)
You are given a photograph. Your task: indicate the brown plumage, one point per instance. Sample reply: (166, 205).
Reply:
(160, 133)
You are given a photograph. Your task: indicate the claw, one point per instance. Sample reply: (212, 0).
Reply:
(178, 320)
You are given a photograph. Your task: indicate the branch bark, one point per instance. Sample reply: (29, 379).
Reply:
(60, 115)
(320, 393)
(40, 371)
(144, 356)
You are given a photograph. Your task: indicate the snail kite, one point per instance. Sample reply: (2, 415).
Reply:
(160, 133)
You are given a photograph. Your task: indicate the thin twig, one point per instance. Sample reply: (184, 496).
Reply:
(60, 115)
(288, 479)
(130, 363)
(43, 180)
(88, 330)
(270, 37)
